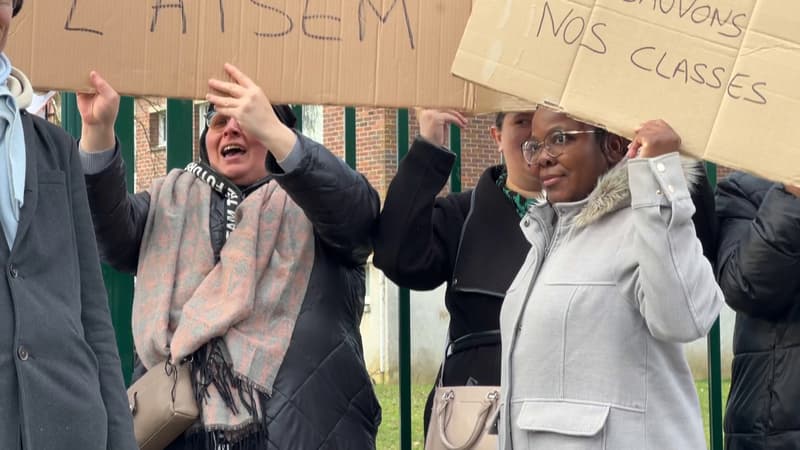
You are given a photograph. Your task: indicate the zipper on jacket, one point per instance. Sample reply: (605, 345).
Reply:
(506, 413)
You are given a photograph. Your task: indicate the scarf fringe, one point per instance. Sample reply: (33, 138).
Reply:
(245, 439)
(211, 367)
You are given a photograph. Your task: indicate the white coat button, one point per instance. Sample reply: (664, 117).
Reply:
(526, 223)
(661, 167)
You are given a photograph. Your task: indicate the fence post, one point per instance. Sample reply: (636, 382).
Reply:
(180, 133)
(350, 136)
(404, 314)
(455, 147)
(298, 114)
(714, 364)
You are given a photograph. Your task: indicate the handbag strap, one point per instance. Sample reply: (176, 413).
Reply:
(445, 412)
(473, 340)
(465, 342)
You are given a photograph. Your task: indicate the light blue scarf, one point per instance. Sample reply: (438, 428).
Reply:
(12, 156)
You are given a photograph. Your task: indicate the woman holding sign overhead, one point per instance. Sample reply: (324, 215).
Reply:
(250, 264)
(613, 285)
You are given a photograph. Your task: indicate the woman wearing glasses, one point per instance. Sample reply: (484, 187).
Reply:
(614, 284)
(469, 240)
(250, 263)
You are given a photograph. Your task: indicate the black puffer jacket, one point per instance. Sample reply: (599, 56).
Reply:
(323, 397)
(759, 273)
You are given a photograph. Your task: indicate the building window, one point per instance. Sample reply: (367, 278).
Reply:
(202, 110)
(370, 270)
(158, 130)
(162, 129)
(313, 122)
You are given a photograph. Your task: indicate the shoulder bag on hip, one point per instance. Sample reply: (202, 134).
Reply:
(163, 405)
(463, 417)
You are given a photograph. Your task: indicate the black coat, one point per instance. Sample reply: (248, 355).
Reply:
(323, 396)
(61, 386)
(471, 241)
(759, 273)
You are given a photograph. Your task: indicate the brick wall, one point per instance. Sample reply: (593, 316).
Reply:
(151, 159)
(376, 144)
(479, 151)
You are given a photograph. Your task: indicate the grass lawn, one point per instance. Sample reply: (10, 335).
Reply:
(389, 395)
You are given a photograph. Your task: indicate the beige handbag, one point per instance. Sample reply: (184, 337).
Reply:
(163, 405)
(462, 417)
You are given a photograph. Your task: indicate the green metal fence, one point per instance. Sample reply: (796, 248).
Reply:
(179, 153)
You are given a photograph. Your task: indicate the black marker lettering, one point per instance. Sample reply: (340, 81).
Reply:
(290, 22)
(702, 19)
(548, 11)
(307, 17)
(383, 18)
(658, 67)
(716, 77)
(661, 6)
(732, 85)
(636, 53)
(761, 99)
(159, 6)
(682, 12)
(716, 18)
(683, 66)
(700, 79)
(603, 49)
(68, 26)
(739, 28)
(221, 16)
(581, 24)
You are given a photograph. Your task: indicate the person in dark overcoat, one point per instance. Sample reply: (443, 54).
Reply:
(61, 384)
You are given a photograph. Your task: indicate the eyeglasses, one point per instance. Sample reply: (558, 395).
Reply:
(216, 120)
(554, 144)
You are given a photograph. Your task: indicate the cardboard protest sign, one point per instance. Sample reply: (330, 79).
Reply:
(724, 73)
(350, 52)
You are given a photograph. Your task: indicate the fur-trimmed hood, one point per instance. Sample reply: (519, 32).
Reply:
(613, 192)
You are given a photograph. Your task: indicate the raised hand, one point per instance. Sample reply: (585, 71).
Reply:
(793, 189)
(246, 102)
(654, 138)
(98, 111)
(433, 123)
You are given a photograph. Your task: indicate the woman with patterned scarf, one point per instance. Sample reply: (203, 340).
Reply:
(61, 386)
(249, 263)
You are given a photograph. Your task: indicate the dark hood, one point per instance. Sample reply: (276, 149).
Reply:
(284, 113)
